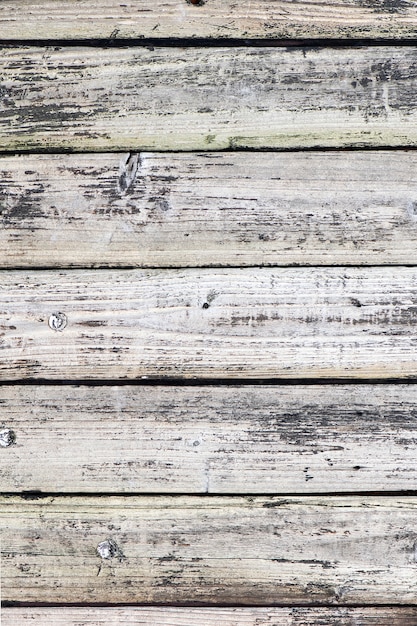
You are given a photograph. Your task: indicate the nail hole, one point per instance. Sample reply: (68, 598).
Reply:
(206, 305)
(57, 321)
(7, 437)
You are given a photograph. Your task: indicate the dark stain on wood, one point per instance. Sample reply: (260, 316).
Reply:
(386, 6)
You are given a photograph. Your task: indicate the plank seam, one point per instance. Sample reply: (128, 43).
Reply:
(218, 266)
(9, 604)
(204, 382)
(29, 496)
(209, 43)
(319, 150)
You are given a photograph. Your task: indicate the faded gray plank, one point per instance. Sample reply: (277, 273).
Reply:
(207, 98)
(247, 440)
(250, 551)
(68, 19)
(190, 210)
(170, 616)
(252, 323)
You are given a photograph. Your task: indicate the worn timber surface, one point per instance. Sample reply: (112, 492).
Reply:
(225, 19)
(206, 98)
(235, 439)
(205, 323)
(250, 551)
(208, 209)
(171, 616)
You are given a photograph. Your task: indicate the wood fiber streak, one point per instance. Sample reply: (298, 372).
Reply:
(48, 19)
(170, 616)
(206, 209)
(237, 323)
(91, 99)
(247, 440)
(249, 551)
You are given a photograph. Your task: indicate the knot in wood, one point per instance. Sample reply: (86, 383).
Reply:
(57, 321)
(128, 169)
(7, 437)
(109, 549)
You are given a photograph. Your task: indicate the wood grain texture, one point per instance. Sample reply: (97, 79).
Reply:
(170, 616)
(238, 323)
(217, 440)
(91, 99)
(68, 19)
(208, 209)
(210, 550)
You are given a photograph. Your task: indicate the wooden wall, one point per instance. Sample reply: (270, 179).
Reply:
(208, 307)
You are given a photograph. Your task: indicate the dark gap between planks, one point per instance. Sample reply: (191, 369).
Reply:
(7, 604)
(11, 604)
(212, 266)
(208, 43)
(67, 150)
(42, 495)
(205, 382)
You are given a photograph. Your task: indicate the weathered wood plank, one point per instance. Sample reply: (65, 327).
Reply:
(171, 616)
(224, 440)
(207, 98)
(252, 323)
(249, 551)
(223, 209)
(67, 19)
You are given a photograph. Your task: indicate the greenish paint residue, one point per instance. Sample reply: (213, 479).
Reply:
(210, 139)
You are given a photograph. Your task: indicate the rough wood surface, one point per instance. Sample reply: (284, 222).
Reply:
(212, 550)
(170, 616)
(206, 98)
(48, 19)
(207, 209)
(205, 323)
(247, 440)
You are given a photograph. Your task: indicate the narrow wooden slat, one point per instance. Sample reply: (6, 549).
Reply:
(68, 19)
(206, 98)
(169, 616)
(224, 440)
(249, 551)
(253, 323)
(174, 210)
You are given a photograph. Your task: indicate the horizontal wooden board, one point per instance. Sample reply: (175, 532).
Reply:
(249, 551)
(91, 99)
(46, 19)
(70, 19)
(236, 323)
(208, 209)
(224, 440)
(170, 616)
